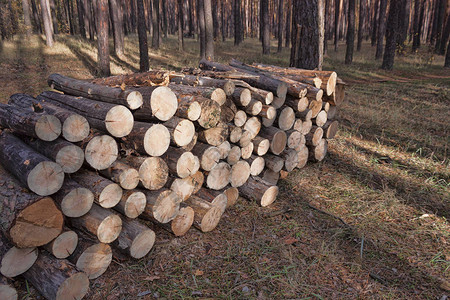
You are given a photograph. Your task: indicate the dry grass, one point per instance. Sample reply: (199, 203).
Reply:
(370, 222)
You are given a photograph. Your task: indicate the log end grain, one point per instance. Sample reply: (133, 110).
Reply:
(278, 143)
(302, 104)
(64, 245)
(109, 229)
(101, 152)
(75, 128)
(142, 244)
(45, 178)
(119, 121)
(257, 166)
(331, 129)
(286, 118)
(187, 165)
(167, 206)
(17, 261)
(111, 195)
(240, 118)
(77, 202)
(156, 140)
(184, 133)
(219, 176)
(211, 219)
(321, 118)
(134, 100)
(269, 196)
(210, 113)
(194, 111)
(163, 103)
(183, 221)
(134, 205)
(74, 287)
(294, 139)
(129, 179)
(48, 128)
(239, 173)
(234, 155)
(153, 173)
(7, 292)
(302, 154)
(232, 194)
(261, 146)
(70, 158)
(331, 84)
(95, 260)
(219, 96)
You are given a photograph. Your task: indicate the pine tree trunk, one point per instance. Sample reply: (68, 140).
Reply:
(264, 19)
(81, 12)
(337, 5)
(288, 23)
(117, 23)
(26, 16)
(102, 38)
(201, 25)
(447, 56)
(391, 35)
(416, 30)
(209, 30)
(362, 19)
(375, 22)
(237, 21)
(155, 22)
(180, 25)
(164, 18)
(350, 32)
(280, 26)
(142, 33)
(381, 28)
(47, 23)
(36, 17)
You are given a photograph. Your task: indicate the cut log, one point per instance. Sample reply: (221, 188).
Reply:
(216, 94)
(265, 97)
(285, 118)
(330, 128)
(234, 155)
(100, 222)
(274, 162)
(317, 153)
(57, 278)
(91, 257)
(247, 151)
(227, 85)
(7, 291)
(267, 122)
(185, 187)
(208, 155)
(159, 102)
(117, 120)
(148, 139)
(305, 115)
(64, 244)
(149, 78)
(298, 125)
(191, 145)
(15, 261)
(162, 205)
(210, 113)
(214, 136)
(257, 164)
(240, 118)
(181, 131)
(224, 149)
(132, 204)
(153, 171)
(37, 172)
(276, 137)
(183, 221)
(128, 98)
(181, 163)
(290, 158)
(260, 145)
(260, 191)
(254, 107)
(75, 127)
(106, 193)
(246, 138)
(294, 138)
(135, 240)
(219, 176)
(74, 199)
(297, 104)
(253, 125)
(331, 113)
(240, 172)
(314, 137)
(278, 102)
(306, 127)
(215, 198)
(123, 174)
(241, 97)
(40, 125)
(320, 119)
(227, 111)
(303, 154)
(268, 112)
(28, 220)
(270, 176)
(315, 107)
(69, 156)
(100, 151)
(337, 97)
(206, 215)
(188, 107)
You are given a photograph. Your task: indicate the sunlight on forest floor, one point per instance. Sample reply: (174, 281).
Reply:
(384, 187)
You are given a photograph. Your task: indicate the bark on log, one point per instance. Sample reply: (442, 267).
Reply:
(100, 150)
(185, 187)
(210, 113)
(106, 193)
(274, 162)
(258, 190)
(40, 125)
(181, 131)
(317, 153)
(216, 94)
(234, 155)
(123, 174)
(305, 115)
(73, 199)
(315, 107)
(75, 127)
(162, 205)
(303, 154)
(270, 176)
(241, 97)
(254, 108)
(159, 102)
(219, 176)
(330, 128)
(278, 102)
(298, 104)
(215, 198)
(188, 107)
(214, 136)
(57, 278)
(337, 97)
(148, 139)
(183, 221)
(37, 172)
(314, 137)
(206, 215)
(69, 156)
(115, 119)
(276, 137)
(290, 158)
(132, 204)
(100, 222)
(257, 164)
(239, 174)
(91, 257)
(15, 261)
(149, 78)
(298, 125)
(181, 163)
(227, 85)
(332, 111)
(135, 240)
(227, 111)
(64, 244)
(129, 98)
(153, 171)
(208, 155)
(268, 112)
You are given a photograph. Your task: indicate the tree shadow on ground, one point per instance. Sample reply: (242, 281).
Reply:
(85, 59)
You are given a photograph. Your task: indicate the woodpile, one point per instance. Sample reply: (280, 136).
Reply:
(89, 170)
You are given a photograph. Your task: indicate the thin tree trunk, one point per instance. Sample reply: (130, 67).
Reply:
(164, 23)
(350, 32)
(280, 26)
(337, 5)
(440, 24)
(36, 17)
(391, 35)
(223, 19)
(191, 19)
(264, 19)
(381, 28)
(180, 25)
(237, 21)
(102, 38)
(47, 23)
(52, 12)
(215, 16)
(447, 57)
(326, 26)
(80, 10)
(201, 24)
(155, 24)
(142, 33)
(416, 29)
(362, 19)
(288, 24)
(209, 35)
(375, 22)
(445, 35)
(26, 16)
(117, 23)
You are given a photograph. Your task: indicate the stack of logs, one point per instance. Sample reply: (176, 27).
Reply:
(87, 170)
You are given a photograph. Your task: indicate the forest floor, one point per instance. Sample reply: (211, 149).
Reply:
(369, 222)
